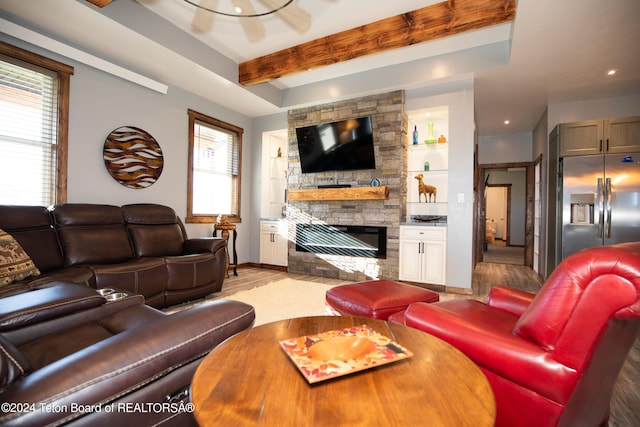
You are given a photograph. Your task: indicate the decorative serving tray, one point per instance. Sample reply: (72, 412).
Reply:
(340, 352)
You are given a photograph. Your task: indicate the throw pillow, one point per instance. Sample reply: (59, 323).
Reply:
(15, 264)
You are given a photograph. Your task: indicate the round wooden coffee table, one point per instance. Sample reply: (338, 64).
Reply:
(249, 380)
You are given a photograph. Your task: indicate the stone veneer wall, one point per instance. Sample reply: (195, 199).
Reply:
(390, 125)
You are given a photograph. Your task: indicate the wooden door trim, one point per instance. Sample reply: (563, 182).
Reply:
(529, 215)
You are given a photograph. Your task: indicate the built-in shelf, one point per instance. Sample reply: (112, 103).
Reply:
(347, 193)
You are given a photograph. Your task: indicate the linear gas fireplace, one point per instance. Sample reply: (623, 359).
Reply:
(347, 240)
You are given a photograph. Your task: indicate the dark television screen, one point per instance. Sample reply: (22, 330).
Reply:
(343, 145)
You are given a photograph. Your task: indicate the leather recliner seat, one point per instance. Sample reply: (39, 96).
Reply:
(139, 248)
(552, 358)
(69, 356)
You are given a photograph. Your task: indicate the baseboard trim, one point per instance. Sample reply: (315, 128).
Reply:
(441, 288)
(265, 266)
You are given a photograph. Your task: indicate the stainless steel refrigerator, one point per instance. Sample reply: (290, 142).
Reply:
(600, 200)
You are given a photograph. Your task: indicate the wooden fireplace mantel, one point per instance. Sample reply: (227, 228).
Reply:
(348, 193)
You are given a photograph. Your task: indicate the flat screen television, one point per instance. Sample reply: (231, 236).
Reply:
(336, 146)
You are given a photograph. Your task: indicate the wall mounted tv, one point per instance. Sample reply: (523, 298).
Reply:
(336, 146)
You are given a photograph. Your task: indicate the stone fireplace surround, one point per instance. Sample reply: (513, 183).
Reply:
(390, 126)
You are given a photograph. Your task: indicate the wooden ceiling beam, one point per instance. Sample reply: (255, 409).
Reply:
(100, 3)
(419, 26)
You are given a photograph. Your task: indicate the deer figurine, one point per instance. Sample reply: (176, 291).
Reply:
(429, 191)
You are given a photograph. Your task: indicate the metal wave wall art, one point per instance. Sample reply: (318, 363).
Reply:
(133, 157)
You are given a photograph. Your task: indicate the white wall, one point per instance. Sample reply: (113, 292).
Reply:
(496, 203)
(461, 151)
(260, 125)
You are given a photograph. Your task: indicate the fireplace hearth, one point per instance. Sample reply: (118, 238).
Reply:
(345, 240)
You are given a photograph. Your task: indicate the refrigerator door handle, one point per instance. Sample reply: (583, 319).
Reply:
(600, 207)
(608, 197)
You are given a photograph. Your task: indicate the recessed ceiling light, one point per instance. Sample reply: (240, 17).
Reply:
(238, 10)
(611, 72)
(506, 122)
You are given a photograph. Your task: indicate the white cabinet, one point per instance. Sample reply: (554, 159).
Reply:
(423, 251)
(274, 245)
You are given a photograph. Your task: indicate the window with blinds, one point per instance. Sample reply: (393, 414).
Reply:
(214, 169)
(28, 133)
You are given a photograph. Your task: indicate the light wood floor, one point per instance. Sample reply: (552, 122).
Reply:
(625, 403)
(499, 252)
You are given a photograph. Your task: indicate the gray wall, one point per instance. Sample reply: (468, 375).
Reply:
(540, 150)
(101, 102)
(512, 148)
(604, 108)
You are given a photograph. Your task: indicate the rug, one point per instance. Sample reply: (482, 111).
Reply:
(284, 299)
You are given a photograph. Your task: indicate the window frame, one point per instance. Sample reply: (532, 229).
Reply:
(64, 73)
(238, 131)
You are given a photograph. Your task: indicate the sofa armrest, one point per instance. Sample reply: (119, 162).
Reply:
(51, 301)
(497, 351)
(123, 363)
(203, 244)
(510, 300)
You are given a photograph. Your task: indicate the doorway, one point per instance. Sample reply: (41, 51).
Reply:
(498, 211)
(517, 222)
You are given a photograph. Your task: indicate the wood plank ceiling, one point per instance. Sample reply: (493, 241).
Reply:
(419, 26)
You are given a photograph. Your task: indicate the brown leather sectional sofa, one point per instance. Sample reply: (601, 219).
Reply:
(69, 355)
(139, 248)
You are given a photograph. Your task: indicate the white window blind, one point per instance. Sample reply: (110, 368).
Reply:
(28, 133)
(215, 170)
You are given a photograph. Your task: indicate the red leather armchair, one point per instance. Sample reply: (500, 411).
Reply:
(553, 358)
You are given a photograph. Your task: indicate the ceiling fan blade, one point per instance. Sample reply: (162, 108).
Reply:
(202, 19)
(253, 27)
(293, 15)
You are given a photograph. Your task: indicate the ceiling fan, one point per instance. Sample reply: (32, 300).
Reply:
(249, 18)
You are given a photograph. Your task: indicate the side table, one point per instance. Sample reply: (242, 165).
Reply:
(224, 233)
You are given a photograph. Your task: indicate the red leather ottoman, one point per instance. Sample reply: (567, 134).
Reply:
(377, 299)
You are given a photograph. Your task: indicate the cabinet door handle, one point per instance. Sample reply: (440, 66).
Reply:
(601, 195)
(608, 197)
